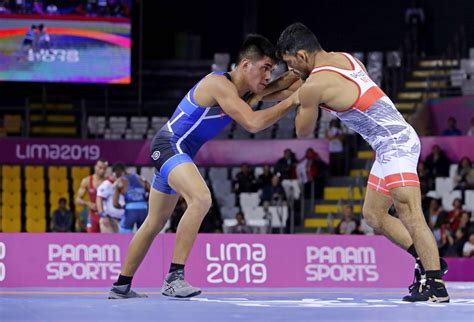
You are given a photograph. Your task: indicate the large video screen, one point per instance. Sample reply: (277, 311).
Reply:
(65, 41)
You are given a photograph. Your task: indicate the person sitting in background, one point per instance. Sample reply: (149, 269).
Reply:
(348, 224)
(426, 179)
(241, 226)
(336, 147)
(452, 129)
(454, 216)
(435, 213)
(468, 248)
(443, 236)
(286, 166)
(62, 218)
(464, 178)
(244, 180)
(265, 179)
(437, 163)
(461, 235)
(470, 132)
(273, 193)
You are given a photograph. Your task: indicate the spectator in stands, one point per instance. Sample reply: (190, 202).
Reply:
(454, 216)
(110, 216)
(244, 180)
(470, 132)
(241, 226)
(265, 179)
(426, 179)
(62, 218)
(437, 163)
(273, 193)
(415, 21)
(464, 178)
(312, 170)
(336, 147)
(348, 224)
(468, 249)
(461, 235)
(435, 213)
(452, 129)
(443, 237)
(286, 166)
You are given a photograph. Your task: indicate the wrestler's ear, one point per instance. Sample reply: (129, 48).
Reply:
(302, 55)
(245, 63)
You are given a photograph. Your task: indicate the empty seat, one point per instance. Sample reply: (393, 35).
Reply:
(226, 200)
(11, 172)
(12, 123)
(443, 186)
(57, 172)
(34, 172)
(35, 211)
(249, 200)
(139, 124)
(11, 198)
(35, 225)
(217, 174)
(58, 185)
(96, 125)
(11, 225)
(11, 211)
(35, 198)
(36, 185)
(469, 200)
(229, 212)
(118, 124)
(11, 184)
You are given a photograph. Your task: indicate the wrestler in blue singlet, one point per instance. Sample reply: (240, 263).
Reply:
(179, 140)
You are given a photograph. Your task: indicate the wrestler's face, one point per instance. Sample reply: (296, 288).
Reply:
(258, 73)
(298, 64)
(100, 168)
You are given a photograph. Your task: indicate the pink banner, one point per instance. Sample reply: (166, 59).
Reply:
(461, 108)
(137, 152)
(455, 147)
(94, 260)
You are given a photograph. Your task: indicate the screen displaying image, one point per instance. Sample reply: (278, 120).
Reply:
(83, 42)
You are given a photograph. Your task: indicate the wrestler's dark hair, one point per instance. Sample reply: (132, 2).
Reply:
(296, 37)
(256, 47)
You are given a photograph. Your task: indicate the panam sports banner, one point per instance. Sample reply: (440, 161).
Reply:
(68, 49)
(217, 260)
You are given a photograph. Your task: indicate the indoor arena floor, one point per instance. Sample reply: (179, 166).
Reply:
(318, 304)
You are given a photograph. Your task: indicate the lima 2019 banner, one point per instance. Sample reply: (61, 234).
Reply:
(94, 260)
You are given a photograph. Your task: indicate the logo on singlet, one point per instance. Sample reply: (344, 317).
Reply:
(156, 155)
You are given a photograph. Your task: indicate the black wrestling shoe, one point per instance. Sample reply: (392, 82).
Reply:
(420, 274)
(430, 290)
